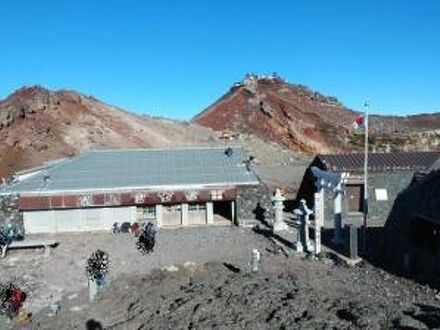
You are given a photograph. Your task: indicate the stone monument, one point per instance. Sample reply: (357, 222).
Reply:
(255, 261)
(278, 205)
(303, 238)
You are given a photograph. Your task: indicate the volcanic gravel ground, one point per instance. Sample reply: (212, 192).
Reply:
(47, 280)
(287, 293)
(200, 278)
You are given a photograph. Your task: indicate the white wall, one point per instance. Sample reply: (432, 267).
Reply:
(54, 221)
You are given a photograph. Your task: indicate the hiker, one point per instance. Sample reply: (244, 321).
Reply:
(147, 239)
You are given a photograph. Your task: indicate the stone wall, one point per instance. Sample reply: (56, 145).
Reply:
(393, 182)
(400, 252)
(254, 205)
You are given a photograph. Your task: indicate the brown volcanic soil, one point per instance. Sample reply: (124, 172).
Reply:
(303, 120)
(38, 125)
(276, 111)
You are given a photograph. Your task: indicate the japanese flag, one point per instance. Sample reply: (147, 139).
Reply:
(358, 122)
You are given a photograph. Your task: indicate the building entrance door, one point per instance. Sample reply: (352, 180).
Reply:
(196, 214)
(355, 197)
(223, 212)
(172, 215)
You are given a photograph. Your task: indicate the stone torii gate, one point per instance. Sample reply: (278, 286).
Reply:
(333, 181)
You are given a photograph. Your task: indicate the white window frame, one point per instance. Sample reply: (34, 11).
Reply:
(195, 207)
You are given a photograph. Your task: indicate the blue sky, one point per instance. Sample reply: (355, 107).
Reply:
(174, 58)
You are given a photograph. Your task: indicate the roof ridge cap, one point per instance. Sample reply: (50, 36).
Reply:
(161, 149)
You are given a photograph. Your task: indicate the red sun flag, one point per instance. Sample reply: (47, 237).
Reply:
(358, 122)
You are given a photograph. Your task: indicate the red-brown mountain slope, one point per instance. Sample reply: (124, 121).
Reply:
(301, 119)
(38, 125)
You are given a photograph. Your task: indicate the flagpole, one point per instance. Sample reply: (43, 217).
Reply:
(365, 178)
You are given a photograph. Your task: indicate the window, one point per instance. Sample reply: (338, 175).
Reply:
(381, 194)
(151, 211)
(172, 208)
(147, 212)
(193, 207)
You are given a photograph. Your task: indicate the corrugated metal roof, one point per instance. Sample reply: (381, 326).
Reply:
(381, 162)
(145, 168)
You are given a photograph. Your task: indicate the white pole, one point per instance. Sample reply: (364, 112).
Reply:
(319, 218)
(365, 177)
(337, 232)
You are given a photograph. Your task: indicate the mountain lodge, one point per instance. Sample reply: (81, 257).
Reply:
(172, 187)
(388, 175)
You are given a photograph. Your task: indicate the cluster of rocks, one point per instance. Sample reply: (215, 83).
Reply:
(24, 102)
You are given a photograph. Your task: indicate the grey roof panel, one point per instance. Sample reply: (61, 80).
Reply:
(379, 162)
(113, 169)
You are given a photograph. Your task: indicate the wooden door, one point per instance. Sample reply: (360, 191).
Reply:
(355, 197)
